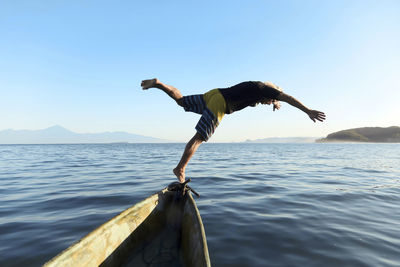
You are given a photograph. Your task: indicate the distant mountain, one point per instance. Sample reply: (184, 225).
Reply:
(366, 134)
(284, 140)
(60, 135)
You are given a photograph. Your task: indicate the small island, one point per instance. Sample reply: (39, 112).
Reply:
(365, 134)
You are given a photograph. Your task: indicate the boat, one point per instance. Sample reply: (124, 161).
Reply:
(165, 229)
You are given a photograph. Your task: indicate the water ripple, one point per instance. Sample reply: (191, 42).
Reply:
(261, 204)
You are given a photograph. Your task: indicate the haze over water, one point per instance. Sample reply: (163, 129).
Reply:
(261, 204)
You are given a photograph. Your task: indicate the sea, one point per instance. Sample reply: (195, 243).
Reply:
(319, 204)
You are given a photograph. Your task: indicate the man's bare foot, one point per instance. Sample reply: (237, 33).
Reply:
(146, 84)
(180, 174)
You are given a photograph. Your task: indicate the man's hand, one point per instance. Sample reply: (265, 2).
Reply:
(316, 115)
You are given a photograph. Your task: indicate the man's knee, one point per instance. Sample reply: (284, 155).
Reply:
(199, 138)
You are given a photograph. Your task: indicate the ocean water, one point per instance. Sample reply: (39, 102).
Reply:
(261, 204)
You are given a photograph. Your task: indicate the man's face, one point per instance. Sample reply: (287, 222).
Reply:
(266, 101)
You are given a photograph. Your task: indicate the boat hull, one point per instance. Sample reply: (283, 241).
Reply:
(165, 229)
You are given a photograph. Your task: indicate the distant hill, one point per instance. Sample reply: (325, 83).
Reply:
(284, 140)
(366, 134)
(60, 135)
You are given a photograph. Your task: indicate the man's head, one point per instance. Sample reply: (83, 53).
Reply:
(269, 101)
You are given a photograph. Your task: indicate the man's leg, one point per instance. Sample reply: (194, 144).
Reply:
(196, 140)
(168, 89)
(190, 148)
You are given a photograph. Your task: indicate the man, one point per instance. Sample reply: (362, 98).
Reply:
(214, 104)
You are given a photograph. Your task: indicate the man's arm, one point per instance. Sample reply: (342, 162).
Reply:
(313, 114)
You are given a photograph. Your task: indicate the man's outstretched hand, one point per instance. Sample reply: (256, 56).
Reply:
(316, 115)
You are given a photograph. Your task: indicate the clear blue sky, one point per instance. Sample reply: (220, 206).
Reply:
(79, 64)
